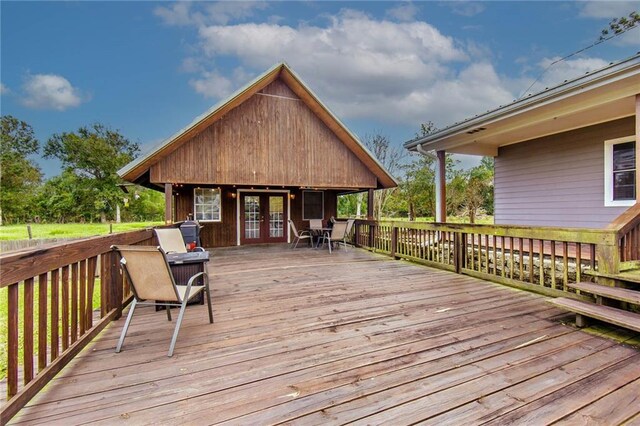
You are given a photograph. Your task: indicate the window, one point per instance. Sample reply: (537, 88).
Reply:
(620, 172)
(206, 204)
(312, 205)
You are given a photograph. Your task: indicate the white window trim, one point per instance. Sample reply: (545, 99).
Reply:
(194, 206)
(304, 217)
(608, 173)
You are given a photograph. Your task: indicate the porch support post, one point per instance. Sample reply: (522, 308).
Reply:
(370, 216)
(441, 187)
(168, 208)
(637, 147)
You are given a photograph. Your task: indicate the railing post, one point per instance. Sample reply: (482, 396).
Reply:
(113, 281)
(608, 258)
(394, 241)
(457, 251)
(372, 230)
(356, 234)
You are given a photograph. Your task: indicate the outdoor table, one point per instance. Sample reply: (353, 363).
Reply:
(319, 233)
(185, 265)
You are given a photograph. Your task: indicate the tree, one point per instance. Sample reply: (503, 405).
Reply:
(94, 154)
(418, 187)
(479, 188)
(620, 25)
(19, 176)
(391, 158)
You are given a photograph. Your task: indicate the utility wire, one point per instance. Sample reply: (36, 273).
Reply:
(577, 52)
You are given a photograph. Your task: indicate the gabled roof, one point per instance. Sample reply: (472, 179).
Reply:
(138, 167)
(596, 97)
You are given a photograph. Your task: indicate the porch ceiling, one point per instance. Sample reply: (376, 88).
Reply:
(304, 336)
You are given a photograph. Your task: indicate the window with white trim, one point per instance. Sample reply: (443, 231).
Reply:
(312, 205)
(207, 204)
(620, 172)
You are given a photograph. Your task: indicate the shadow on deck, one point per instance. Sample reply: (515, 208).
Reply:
(312, 338)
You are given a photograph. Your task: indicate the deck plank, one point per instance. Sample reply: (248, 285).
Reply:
(305, 337)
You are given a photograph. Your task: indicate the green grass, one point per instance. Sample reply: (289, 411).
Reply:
(67, 230)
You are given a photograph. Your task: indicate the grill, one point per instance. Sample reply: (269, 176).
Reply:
(190, 230)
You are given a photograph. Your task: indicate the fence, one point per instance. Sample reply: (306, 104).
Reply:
(58, 284)
(545, 259)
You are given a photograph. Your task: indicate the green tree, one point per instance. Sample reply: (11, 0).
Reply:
(142, 204)
(418, 187)
(620, 25)
(19, 176)
(94, 154)
(66, 198)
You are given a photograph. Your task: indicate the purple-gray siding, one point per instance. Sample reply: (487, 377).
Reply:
(557, 180)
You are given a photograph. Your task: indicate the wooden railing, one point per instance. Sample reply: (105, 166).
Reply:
(627, 227)
(545, 260)
(58, 284)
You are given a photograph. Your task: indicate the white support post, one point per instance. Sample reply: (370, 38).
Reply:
(441, 187)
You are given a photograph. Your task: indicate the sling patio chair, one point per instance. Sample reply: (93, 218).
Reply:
(302, 235)
(350, 223)
(152, 283)
(338, 233)
(170, 239)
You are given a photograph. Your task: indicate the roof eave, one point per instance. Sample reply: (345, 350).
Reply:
(577, 85)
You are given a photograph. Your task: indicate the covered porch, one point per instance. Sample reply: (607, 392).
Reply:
(306, 337)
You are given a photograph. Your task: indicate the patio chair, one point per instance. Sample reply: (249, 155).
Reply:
(350, 223)
(315, 224)
(302, 235)
(152, 283)
(338, 233)
(170, 239)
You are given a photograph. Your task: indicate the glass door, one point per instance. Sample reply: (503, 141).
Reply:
(263, 218)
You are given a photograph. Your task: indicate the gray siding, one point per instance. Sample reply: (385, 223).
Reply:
(557, 180)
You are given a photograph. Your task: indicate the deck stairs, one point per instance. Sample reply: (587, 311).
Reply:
(608, 304)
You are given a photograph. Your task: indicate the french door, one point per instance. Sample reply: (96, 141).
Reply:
(263, 217)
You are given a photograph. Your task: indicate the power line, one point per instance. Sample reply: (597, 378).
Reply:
(577, 52)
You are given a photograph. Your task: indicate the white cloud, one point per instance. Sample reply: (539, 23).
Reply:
(178, 14)
(566, 70)
(404, 12)
(4, 89)
(212, 84)
(182, 14)
(50, 91)
(466, 8)
(363, 68)
(224, 12)
(608, 9)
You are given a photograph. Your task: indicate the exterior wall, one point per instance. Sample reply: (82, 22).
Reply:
(271, 139)
(557, 180)
(224, 233)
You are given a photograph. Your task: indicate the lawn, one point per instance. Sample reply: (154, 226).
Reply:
(67, 230)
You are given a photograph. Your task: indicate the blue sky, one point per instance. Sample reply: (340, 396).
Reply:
(149, 68)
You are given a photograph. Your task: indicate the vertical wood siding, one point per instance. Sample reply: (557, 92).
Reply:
(223, 234)
(557, 180)
(271, 139)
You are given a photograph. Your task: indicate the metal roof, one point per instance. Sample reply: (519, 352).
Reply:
(565, 88)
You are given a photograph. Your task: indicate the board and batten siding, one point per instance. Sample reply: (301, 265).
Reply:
(557, 180)
(272, 139)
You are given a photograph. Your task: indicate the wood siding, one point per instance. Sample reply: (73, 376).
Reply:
(557, 180)
(271, 139)
(224, 233)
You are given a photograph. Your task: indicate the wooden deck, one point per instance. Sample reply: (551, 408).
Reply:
(311, 338)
